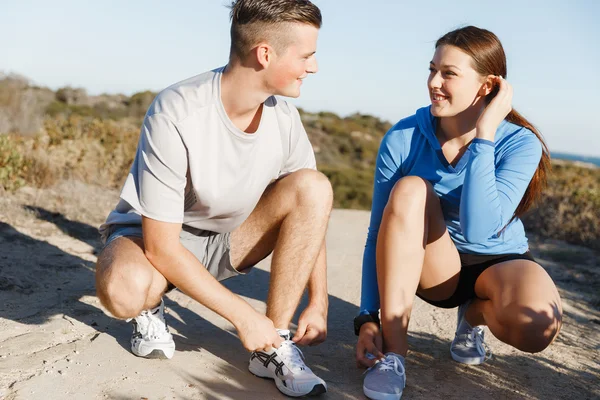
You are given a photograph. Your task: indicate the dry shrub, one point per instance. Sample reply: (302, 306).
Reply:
(92, 150)
(41, 172)
(87, 150)
(570, 206)
(21, 106)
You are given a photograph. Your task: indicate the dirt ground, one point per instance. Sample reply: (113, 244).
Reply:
(57, 342)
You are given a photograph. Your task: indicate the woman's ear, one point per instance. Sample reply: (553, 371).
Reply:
(488, 85)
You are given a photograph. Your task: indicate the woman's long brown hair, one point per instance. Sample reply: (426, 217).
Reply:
(489, 59)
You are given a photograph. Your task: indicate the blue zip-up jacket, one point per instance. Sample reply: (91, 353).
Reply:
(478, 196)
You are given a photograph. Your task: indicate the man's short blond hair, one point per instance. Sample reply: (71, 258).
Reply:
(255, 21)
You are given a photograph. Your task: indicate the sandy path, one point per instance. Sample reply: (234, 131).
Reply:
(56, 342)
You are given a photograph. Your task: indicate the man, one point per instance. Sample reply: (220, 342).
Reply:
(224, 175)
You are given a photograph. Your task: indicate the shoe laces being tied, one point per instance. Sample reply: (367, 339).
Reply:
(389, 363)
(475, 339)
(292, 356)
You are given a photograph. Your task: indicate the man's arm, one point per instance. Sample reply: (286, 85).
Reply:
(180, 267)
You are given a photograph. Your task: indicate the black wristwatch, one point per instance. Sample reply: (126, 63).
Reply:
(363, 319)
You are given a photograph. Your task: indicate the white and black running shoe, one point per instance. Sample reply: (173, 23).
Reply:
(286, 366)
(151, 337)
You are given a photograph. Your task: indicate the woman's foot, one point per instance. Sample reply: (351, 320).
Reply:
(386, 379)
(468, 346)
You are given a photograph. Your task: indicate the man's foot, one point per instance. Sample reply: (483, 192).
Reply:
(151, 337)
(468, 346)
(286, 366)
(386, 379)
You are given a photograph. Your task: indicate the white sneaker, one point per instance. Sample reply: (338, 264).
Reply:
(151, 337)
(286, 366)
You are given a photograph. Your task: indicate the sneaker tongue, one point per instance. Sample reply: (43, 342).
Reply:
(290, 354)
(390, 353)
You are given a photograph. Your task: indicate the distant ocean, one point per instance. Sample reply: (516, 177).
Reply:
(575, 157)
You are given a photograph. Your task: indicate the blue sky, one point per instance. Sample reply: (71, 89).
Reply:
(373, 55)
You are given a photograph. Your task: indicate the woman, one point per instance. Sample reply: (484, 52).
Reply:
(450, 184)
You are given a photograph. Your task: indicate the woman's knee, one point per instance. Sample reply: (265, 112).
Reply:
(531, 328)
(411, 194)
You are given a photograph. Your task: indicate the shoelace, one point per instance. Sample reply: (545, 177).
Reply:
(292, 356)
(475, 339)
(389, 363)
(150, 325)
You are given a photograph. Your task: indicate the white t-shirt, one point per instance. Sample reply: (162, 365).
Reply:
(193, 166)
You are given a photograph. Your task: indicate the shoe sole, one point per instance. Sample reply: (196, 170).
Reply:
(380, 396)
(467, 360)
(262, 372)
(165, 352)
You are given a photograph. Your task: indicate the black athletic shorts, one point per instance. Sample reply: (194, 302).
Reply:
(473, 265)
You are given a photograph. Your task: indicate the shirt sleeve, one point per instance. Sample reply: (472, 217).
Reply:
(156, 182)
(491, 193)
(387, 173)
(301, 154)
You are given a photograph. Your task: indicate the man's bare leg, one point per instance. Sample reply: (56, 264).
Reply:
(291, 220)
(126, 282)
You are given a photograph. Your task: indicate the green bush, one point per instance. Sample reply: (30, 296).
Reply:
(13, 166)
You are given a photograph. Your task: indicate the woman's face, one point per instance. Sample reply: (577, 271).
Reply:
(453, 84)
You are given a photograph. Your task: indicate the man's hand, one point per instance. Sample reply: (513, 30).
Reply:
(369, 341)
(312, 326)
(257, 332)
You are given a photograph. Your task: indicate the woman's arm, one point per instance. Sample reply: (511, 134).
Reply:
(387, 173)
(491, 194)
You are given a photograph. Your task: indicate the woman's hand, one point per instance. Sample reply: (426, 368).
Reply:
(369, 341)
(496, 111)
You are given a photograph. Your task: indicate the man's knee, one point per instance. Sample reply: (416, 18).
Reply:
(123, 289)
(313, 188)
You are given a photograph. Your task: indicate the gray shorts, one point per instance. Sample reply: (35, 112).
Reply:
(210, 248)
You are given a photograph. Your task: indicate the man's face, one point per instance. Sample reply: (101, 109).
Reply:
(292, 64)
